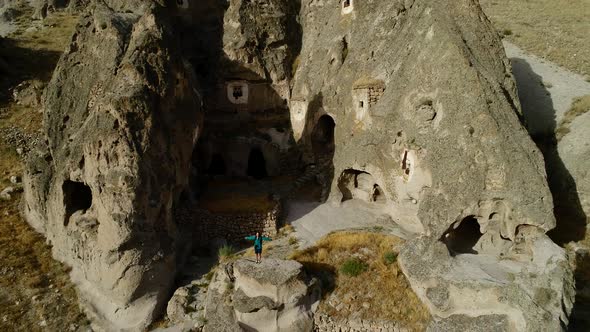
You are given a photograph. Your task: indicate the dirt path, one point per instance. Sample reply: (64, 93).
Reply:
(546, 90)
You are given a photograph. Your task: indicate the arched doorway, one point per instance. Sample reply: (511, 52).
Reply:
(462, 239)
(217, 165)
(257, 164)
(322, 137)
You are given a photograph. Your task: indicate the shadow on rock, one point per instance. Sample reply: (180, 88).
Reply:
(325, 273)
(541, 123)
(540, 118)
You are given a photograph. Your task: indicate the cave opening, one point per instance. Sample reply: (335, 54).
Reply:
(257, 164)
(377, 195)
(322, 137)
(217, 165)
(77, 196)
(237, 92)
(406, 164)
(355, 184)
(463, 238)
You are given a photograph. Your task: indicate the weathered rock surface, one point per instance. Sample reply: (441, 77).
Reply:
(414, 100)
(468, 153)
(28, 93)
(530, 287)
(428, 129)
(275, 295)
(122, 115)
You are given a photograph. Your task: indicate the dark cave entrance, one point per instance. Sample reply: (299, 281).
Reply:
(257, 164)
(360, 185)
(322, 137)
(77, 196)
(463, 238)
(217, 165)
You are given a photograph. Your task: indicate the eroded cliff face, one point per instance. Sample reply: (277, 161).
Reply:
(407, 105)
(121, 117)
(428, 130)
(443, 140)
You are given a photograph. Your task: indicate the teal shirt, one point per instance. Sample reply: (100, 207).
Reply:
(258, 240)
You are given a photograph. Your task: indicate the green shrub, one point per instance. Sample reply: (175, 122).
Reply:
(353, 267)
(293, 240)
(226, 251)
(389, 257)
(507, 32)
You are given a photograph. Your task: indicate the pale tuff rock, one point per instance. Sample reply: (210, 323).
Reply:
(122, 114)
(408, 105)
(274, 295)
(428, 130)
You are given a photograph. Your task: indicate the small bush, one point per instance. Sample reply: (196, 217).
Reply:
(507, 32)
(353, 267)
(389, 257)
(226, 251)
(293, 240)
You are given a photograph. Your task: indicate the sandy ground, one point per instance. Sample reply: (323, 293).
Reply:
(556, 30)
(313, 220)
(546, 90)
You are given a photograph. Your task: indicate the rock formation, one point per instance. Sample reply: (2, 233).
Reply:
(275, 295)
(122, 115)
(409, 105)
(428, 129)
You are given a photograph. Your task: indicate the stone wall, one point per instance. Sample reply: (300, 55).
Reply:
(207, 226)
(375, 93)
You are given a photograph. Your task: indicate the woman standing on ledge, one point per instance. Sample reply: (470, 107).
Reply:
(258, 244)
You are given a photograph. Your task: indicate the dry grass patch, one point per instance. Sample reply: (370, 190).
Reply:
(33, 285)
(580, 106)
(34, 49)
(553, 29)
(376, 289)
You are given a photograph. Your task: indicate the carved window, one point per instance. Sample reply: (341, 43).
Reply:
(347, 6)
(406, 164)
(182, 3)
(237, 92)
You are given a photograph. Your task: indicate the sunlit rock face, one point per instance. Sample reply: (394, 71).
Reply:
(428, 130)
(408, 105)
(122, 115)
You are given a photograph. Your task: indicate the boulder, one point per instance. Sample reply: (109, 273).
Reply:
(28, 93)
(122, 114)
(188, 304)
(6, 193)
(274, 295)
(529, 287)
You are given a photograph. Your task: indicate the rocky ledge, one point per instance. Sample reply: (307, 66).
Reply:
(275, 295)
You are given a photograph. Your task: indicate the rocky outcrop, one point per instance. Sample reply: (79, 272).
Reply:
(408, 105)
(528, 288)
(275, 295)
(428, 129)
(445, 140)
(250, 27)
(122, 116)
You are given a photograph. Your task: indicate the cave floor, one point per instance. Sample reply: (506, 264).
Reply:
(313, 220)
